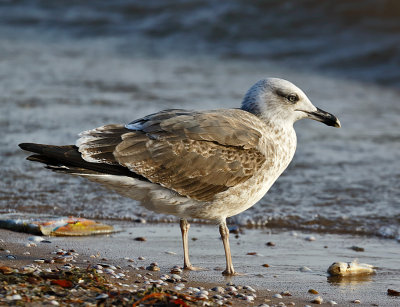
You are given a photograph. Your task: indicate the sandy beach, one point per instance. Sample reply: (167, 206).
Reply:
(73, 66)
(297, 262)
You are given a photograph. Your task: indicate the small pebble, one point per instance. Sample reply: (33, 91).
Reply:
(317, 300)
(332, 303)
(109, 271)
(60, 259)
(26, 253)
(35, 239)
(176, 270)
(141, 258)
(313, 291)
(164, 277)
(176, 277)
(291, 304)
(202, 296)
(152, 268)
(310, 238)
(265, 265)
(357, 302)
(218, 289)
(249, 288)
(270, 244)
(248, 298)
(141, 239)
(102, 296)
(231, 289)
(277, 295)
(357, 249)
(170, 253)
(16, 297)
(305, 269)
(7, 251)
(140, 220)
(11, 257)
(54, 303)
(286, 293)
(39, 260)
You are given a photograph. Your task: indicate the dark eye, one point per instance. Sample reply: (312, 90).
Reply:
(293, 98)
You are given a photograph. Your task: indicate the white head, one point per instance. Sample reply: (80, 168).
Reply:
(280, 102)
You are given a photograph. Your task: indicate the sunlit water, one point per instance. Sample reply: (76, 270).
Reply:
(57, 82)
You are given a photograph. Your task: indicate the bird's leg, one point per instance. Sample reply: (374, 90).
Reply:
(224, 231)
(184, 230)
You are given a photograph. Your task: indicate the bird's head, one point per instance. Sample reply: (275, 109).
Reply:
(281, 102)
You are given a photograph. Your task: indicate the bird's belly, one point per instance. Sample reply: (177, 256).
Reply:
(234, 200)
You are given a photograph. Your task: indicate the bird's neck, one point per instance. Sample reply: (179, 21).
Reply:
(283, 138)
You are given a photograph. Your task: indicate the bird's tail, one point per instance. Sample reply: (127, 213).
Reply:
(68, 159)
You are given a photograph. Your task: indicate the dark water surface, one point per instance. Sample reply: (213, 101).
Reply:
(67, 66)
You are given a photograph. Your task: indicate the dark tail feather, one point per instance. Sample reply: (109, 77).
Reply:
(69, 160)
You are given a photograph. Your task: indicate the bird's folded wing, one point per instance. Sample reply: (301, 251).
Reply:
(196, 154)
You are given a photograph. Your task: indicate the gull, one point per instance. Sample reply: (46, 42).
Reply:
(194, 164)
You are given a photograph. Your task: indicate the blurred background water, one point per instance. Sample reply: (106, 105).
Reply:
(69, 66)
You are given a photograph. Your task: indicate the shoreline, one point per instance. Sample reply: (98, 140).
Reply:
(292, 251)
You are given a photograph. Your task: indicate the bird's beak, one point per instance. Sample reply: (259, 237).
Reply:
(324, 117)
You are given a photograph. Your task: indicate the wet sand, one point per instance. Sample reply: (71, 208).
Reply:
(291, 252)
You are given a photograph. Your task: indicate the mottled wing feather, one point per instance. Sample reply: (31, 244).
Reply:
(196, 154)
(98, 145)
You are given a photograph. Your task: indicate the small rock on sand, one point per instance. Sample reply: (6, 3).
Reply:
(35, 239)
(305, 269)
(317, 300)
(357, 249)
(141, 239)
(218, 289)
(286, 293)
(102, 296)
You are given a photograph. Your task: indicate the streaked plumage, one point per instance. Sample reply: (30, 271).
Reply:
(210, 164)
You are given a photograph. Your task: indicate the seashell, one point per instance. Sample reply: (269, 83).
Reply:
(350, 268)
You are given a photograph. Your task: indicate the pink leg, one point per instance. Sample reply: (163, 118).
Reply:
(224, 231)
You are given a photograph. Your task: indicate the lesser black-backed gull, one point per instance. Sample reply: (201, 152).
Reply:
(207, 165)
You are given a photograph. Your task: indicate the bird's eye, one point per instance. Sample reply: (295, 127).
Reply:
(293, 98)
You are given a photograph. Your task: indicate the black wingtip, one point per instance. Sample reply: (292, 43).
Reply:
(24, 146)
(33, 147)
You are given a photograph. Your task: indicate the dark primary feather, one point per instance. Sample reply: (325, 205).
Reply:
(68, 159)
